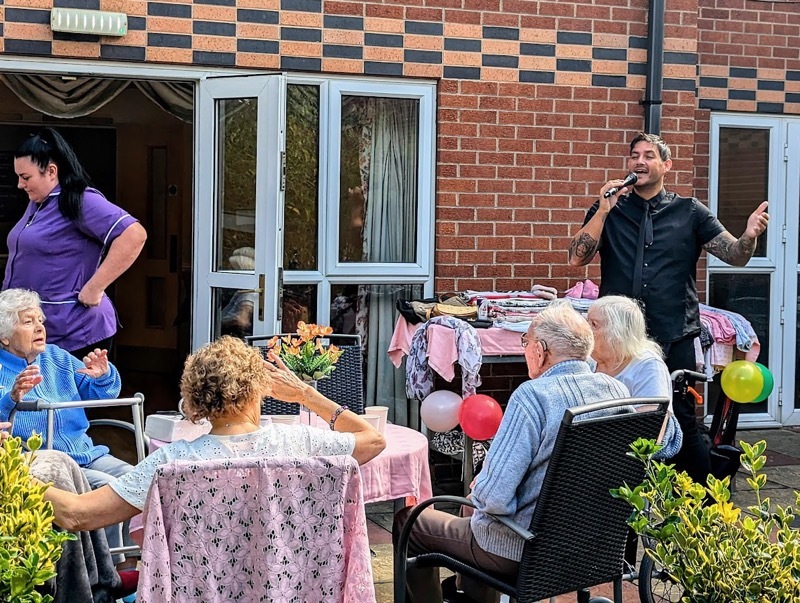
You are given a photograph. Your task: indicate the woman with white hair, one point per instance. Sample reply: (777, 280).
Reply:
(31, 368)
(622, 350)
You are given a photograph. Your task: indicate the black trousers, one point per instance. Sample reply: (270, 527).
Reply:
(103, 344)
(693, 456)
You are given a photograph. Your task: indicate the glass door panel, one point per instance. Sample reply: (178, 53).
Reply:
(238, 206)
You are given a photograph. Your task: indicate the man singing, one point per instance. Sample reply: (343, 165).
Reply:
(649, 242)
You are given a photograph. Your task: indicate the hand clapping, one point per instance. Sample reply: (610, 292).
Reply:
(96, 363)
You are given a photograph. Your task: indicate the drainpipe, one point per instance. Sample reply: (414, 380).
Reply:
(655, 67)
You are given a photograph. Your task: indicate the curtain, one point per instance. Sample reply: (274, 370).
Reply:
(176, 98)
(389, 236)
(70, 97)
(57, 96)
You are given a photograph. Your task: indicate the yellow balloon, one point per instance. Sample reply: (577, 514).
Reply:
(742, 381)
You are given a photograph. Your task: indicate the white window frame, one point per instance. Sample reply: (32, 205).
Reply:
(330, 271)
(773, 262)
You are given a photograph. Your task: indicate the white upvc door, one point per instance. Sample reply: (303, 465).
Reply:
(790, 383)
(238, 208)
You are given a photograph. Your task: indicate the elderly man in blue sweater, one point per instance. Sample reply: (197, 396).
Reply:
(557, 345)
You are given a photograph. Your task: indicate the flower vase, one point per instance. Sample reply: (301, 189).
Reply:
(306, 416)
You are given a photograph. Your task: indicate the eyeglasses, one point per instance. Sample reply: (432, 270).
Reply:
(525, 341)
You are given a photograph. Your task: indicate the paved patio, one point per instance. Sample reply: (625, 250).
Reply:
(783, 475)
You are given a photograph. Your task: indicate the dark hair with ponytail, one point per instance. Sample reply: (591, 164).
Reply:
(48, 146)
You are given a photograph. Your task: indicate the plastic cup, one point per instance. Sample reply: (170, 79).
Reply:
(373, 420)
(379, 411)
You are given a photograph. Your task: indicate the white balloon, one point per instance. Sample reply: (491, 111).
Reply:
(439, 410)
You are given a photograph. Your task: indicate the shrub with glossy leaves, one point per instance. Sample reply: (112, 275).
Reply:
(29, 547)
(717, 552)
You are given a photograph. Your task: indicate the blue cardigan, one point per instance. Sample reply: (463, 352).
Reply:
(515, 466)
(60, 383)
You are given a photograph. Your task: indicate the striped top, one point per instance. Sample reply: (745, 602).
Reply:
(60, 383)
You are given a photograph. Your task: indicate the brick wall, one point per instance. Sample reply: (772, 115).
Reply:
(537, 99)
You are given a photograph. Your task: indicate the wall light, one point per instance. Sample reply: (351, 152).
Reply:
(94, 22)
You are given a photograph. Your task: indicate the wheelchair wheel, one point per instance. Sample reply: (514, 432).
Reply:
(655, 586)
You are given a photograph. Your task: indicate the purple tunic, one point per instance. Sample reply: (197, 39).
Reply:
(56, 257)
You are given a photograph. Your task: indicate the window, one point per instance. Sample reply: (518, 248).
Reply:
(358, 214)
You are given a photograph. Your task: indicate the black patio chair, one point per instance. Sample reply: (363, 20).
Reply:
(345, 386)
(578, 533)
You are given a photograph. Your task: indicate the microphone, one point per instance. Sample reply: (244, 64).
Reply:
(629, 179)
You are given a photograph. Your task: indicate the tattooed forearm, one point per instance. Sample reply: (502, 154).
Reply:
(582, 249)
(736, 252)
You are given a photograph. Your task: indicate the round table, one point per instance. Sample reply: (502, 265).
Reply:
(401, 471)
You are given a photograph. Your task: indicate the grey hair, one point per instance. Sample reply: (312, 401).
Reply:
(566, 333)
(12, 302)
(656, 141)
(624, 329)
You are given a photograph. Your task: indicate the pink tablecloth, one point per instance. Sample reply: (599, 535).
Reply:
(442, 352)
(400, 471)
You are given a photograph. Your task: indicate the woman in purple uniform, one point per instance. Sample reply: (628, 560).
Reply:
(70, 245)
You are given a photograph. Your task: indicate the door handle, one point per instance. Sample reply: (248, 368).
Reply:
(280, 294)
(261, 283)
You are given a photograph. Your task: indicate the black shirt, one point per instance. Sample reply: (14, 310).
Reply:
(666, 245)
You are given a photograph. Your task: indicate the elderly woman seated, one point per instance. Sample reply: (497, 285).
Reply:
(622, 350)
(225, 382)
(33, 369)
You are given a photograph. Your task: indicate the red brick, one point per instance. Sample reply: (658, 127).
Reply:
(423, 14)
(466, 17)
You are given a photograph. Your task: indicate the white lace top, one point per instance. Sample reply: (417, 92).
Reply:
(271, 440)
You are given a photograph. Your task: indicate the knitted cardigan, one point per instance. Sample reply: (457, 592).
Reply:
(60, 383)
(515, 466)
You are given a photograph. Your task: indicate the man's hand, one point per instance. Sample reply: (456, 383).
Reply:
(606, 205)
(96, 363)
(25, 382)
(757, 222)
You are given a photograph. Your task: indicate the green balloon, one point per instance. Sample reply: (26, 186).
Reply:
(769, 383)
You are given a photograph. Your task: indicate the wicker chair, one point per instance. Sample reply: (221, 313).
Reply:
(578, 533)
(345, 386)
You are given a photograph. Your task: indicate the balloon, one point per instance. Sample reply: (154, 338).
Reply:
(439, 410)
(742, 381)
(480, 416)
(769, 383)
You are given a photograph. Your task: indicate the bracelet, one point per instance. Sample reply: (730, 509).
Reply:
(335, 415)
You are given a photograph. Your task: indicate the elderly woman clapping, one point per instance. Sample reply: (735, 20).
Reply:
(225, 382)
(622, 350)
(31, 369)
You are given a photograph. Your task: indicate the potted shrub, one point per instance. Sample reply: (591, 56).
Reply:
(29, 547)
(716, 552)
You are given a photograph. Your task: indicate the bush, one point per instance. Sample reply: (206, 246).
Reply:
(705, 543)
(29, 547)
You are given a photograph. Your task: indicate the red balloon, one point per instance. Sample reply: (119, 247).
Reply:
(480, 416)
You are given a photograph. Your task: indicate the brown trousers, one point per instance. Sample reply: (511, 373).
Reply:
(442, 532)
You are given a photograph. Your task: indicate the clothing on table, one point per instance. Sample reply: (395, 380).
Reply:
(583, 290)
(745, 337)
(85, 570)
(648, 377)
(56, 257)
(60, 383)
(649, 251)
(536, 292)
(268, 441)
(419, 376)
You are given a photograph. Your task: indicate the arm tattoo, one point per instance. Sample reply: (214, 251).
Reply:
(583, 247)
(736, 252)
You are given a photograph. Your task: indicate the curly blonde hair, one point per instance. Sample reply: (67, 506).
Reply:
(222, 377)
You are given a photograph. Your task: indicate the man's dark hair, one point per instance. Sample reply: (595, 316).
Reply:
(656, 141)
